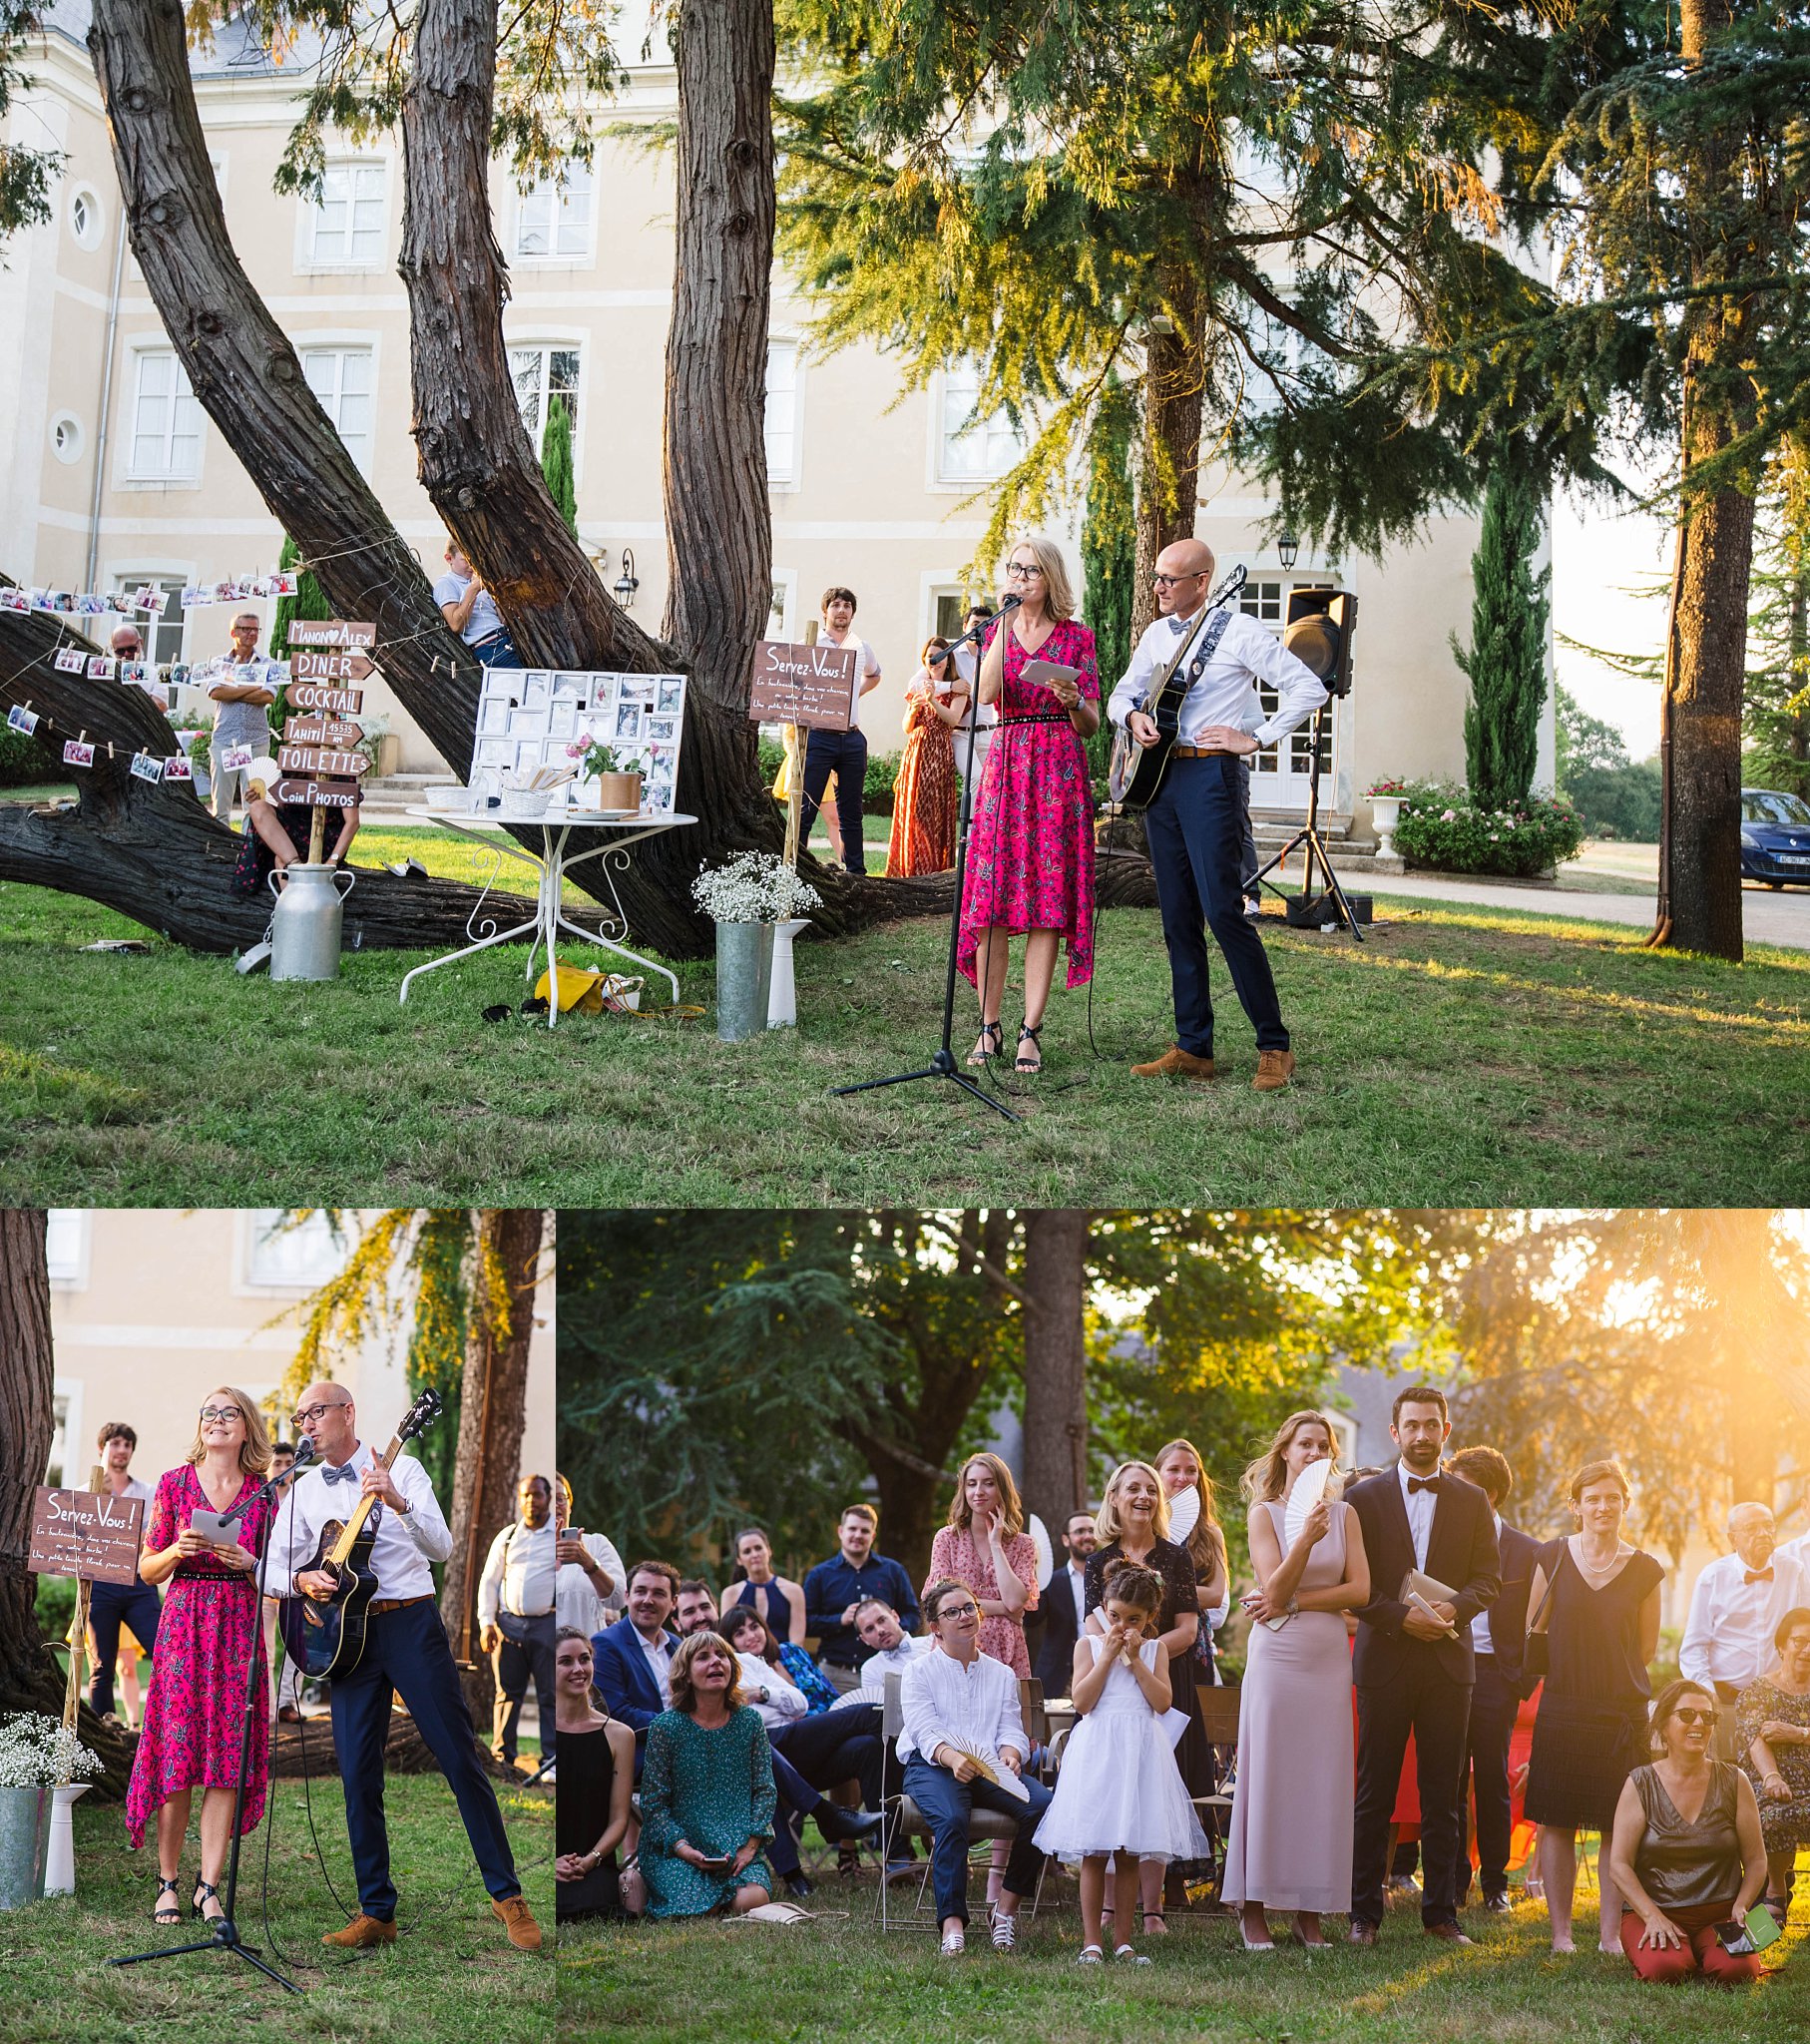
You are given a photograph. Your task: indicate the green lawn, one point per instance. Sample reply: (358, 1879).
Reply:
(452, 1978)
(839, 1977)
(1464, 1056)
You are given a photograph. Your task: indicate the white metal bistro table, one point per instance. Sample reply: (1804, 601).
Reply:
(552, 863)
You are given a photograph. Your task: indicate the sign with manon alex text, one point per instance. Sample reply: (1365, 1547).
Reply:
(86, 1533)
(812, 686)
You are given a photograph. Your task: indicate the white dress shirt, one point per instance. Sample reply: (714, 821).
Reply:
(785, 1700)
(1728, 1636)
(659, 1664)
(970, 1704)
(1078, 1578)
(518, 1572)
(404, 1545)
(877, 1666)
(866, 663)
(575, 1599)
(1227, 692)
(1480, 1642)
(967, 663)
(1421, 1505)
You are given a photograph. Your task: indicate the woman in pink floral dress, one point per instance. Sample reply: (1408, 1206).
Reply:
(195, 1714)
(1031, 845)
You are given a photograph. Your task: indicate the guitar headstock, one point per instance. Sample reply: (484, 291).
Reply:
(420, 1415)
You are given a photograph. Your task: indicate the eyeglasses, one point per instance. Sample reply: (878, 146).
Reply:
(1018, 572)
(1170, 581)
(218, 1414)
(1686, 1716)
(309, 1413)
(955, 1611)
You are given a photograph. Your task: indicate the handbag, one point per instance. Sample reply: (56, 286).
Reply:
(1535, 1653)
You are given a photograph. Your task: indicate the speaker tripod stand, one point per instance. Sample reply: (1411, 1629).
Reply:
(1308, 836)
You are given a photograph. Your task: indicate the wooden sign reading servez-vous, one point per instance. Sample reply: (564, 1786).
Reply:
(814, 686)
(86, 1533)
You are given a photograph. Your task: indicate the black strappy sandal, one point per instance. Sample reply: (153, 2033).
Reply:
(993, 1034)
(170, 1915)
(204, 1893)
(1022, 1063)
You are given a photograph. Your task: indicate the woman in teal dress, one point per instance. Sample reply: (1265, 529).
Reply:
(707, 1791)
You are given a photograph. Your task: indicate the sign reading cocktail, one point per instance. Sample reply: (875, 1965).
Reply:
(86, 1533)
(812, 686)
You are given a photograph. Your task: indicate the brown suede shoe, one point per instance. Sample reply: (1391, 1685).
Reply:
(362, 1930)
(1274, 1069)
(524, 1931)
(1176, 1063)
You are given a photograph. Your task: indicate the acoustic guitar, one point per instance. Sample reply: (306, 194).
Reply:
(325, 1637)
(1134, 773)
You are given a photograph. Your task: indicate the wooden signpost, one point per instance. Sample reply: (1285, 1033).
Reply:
(90, 1535)
(805, 688)
(320, 766)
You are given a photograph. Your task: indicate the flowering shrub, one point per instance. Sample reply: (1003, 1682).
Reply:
(35, 1749)
(1441, 827)
(755, 886)
(1393, 786)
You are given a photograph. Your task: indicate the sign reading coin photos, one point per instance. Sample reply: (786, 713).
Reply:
(533, 716)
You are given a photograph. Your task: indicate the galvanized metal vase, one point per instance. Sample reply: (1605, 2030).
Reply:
(24, 1843)
(744, 972)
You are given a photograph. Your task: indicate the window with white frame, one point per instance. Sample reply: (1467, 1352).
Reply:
(970, 450)
(166, 440)
(65, 1246)
(545, 373)
(341, 379)
(163, 635)
(290, 1256)
(553, 217)
(781, 413)
(1265, 598)
(346, 221)
(64, 1403)
(779, 606)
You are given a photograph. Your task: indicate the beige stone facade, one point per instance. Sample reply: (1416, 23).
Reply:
(114, 475)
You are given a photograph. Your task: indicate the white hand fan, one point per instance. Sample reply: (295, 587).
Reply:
(1045, 1554)
(1184, 1515)
(1310, 1487)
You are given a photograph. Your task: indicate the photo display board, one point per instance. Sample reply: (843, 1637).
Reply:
(531, 716)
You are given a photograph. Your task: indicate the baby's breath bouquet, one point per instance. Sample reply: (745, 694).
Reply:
(754, 887)
(35, 1749)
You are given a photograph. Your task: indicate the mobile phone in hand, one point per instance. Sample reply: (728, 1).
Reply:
(1734, 1940)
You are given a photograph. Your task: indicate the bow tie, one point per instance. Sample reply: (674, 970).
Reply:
(343, 1474)
(1179, 625)
(1757, 1576)
(1423, 1483)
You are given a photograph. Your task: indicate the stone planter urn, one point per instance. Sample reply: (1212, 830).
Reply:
(745, 973)
(1385, 813)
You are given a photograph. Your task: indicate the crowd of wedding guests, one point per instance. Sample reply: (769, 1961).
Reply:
(1417, 1668)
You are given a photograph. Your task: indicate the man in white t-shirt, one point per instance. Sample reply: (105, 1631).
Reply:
(134, 1604)
(470, 608)
(841, 752)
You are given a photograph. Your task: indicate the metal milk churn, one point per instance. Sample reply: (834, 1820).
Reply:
(304, 930)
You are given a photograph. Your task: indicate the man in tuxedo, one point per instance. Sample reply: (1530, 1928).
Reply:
(1498, 1642)
(633, 1656)
(1062, 1608)
(1413, 1667)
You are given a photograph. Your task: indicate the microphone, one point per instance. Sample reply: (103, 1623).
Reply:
(1010, 602)
(306, 1453)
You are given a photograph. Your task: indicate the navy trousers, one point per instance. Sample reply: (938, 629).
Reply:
(406, 1651)
(945, 1804)
(843, 753)
(108, 1603)
(1494, 1707)
(1196, 829)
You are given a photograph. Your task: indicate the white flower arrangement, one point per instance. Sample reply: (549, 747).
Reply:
(754, 887)
(35, 1749)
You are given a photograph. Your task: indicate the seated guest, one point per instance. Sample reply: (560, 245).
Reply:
(827, 1747)
(1687, 1851)
(277, 833)
(470, 608)
(834, 1587)
(595, 1815)
(779, 1597)
(961, 1716)
(1062, 1606)
(1773, 1736)
(590, 1569)
(890, 1650)
(633, 1656)
(1735, 1610)
(707, 1794)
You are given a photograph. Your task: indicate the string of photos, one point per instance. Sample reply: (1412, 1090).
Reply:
(147, 599)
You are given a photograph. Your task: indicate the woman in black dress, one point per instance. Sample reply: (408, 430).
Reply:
(1603, 1627)
(593, 1814)
(1133, 1521)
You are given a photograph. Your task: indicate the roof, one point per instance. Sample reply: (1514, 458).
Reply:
(234, 52)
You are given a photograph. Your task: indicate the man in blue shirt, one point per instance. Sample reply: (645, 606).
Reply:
(835, 1588)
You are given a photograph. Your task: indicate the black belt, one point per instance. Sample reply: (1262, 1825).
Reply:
(489, 639)
(1040, 717)
(207, 1576)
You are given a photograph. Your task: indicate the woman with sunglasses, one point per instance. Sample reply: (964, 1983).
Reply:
(1689, 1855)
(209, 1628)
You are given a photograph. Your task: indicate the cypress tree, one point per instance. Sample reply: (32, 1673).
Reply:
(555, 461)
(1506, 661)
(309, 601)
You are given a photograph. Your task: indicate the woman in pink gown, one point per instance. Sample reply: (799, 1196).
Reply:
(195, 1714)
(1031, 845)
(1290, 1845)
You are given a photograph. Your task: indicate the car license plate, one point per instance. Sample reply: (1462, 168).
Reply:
(1793, 858)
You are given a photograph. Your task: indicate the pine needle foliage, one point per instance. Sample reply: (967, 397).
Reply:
(1506, 663)
(555, 461)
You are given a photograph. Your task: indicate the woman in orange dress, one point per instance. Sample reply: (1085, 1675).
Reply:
(925, 795)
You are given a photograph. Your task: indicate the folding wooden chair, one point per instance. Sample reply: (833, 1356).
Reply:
(1219, 1720)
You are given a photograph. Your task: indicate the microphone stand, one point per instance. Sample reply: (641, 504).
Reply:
(224, 1930)
(942, 1063)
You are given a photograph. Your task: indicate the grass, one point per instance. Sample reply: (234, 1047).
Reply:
(453, 1978)
(1466, 1055)
(839, 1977)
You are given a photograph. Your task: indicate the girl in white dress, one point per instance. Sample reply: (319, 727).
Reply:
(1119, 1793)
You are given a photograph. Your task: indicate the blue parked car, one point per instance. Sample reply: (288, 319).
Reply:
(1775, 837)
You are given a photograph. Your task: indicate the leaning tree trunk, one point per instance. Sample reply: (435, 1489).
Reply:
(1056, 1405)
(30, 1678)
(493, 1407)
(150, 848)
